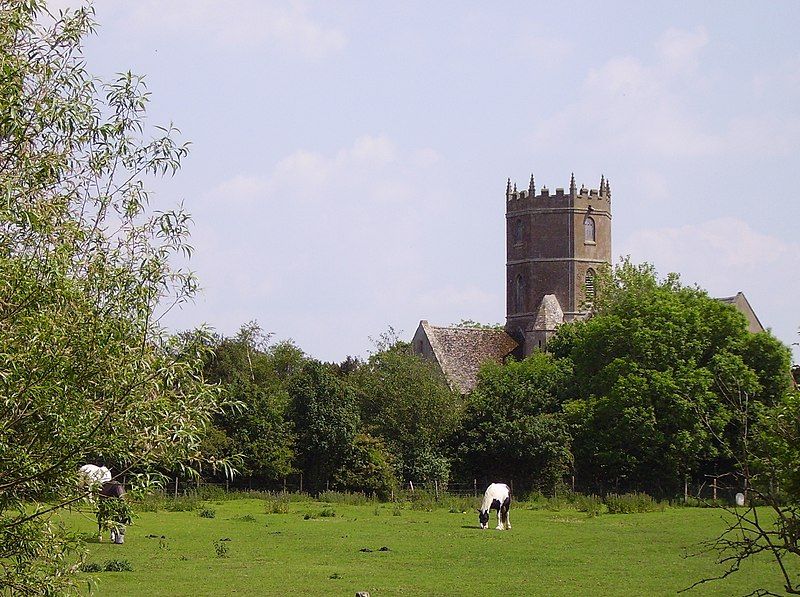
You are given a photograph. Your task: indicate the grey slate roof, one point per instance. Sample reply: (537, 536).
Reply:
(461, 351)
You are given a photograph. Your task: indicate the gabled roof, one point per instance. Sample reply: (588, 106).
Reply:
(460, 351)
(742, 304)
(549, 316)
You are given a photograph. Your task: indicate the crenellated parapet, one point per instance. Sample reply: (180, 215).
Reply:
(597, 198)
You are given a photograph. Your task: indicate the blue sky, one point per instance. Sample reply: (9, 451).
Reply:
(349, 159)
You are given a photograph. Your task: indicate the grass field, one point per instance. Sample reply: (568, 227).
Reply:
(313, 548)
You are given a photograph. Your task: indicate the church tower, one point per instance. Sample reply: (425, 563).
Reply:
(555, 244)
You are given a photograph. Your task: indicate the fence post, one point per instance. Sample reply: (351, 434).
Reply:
(176, 487)
(436, 489)
(411, 486)
(301, 482)
(475, 486)
(284, 485)
(685, 491)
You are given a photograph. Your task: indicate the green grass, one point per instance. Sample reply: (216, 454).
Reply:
(252, 548)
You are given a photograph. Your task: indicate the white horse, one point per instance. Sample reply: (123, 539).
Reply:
(497, 497)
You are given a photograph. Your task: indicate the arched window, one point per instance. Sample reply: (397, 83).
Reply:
(588, 230)
(519, 294)
(518, 231)
(589, 284)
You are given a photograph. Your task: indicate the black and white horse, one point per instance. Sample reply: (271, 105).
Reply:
(497, 497)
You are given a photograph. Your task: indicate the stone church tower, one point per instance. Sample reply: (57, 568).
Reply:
(555, 244)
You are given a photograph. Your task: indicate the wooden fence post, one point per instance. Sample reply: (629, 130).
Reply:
(176, 487)
(475, 486)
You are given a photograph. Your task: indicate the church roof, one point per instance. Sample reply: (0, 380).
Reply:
(550, 314)
(460, 351)
(742, 304)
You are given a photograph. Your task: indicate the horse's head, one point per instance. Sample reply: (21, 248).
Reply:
(483, 518)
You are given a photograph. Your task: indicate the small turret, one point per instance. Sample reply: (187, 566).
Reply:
(602, 184)
(608, 188)
(508, 190)
(572, 187)
(532, 187)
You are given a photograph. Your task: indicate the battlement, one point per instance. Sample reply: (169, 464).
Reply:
(529, 198)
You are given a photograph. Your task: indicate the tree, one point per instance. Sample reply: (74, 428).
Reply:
(254, 373)
(767, 461)
(514, 428)
(407, 403)
(325, 415)
(86, 370)
(644, 405)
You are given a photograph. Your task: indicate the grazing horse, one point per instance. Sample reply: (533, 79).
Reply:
(109, 513)
(497, 497)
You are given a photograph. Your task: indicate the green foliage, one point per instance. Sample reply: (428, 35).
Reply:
(405, 401)
(326, 419)
(112, 513)
(655, 370)
(632, 503)
(367, 467)
(254, 373)
(221, 549)
(345, 497)
(91, 567)
(207, 513)
(514, 428)
(118, 566)
(86, 270)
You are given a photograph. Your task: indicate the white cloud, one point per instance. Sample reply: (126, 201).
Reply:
(244, 24)
(336, 239)
(725, 256)
(679, 49)
(632, 106)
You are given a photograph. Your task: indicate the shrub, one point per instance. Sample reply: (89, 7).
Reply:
(630, 503)
(591, 504)
(277, 504)
(214, 493)
(221, 549)
(185, 503)
(327, 513)
(91, 567)
(357, 498)
(207, 513)
(118, 566)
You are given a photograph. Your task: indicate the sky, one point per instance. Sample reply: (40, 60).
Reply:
(349, 159)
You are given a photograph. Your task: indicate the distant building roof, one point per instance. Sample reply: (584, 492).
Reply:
(742, 304)
(460, 351)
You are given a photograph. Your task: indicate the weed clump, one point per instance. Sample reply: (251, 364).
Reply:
(207, 513)
(118, 566)
(631, 503)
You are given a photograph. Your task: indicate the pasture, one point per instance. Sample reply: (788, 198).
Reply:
(280, 547)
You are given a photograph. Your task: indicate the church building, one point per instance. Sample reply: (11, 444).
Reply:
(555, 244)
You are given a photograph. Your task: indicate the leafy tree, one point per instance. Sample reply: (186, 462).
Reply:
(254, 373)
(514, 428)
(645, 404)
(85, 274)
(368, 467)
(326, 419)
(405, 401)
